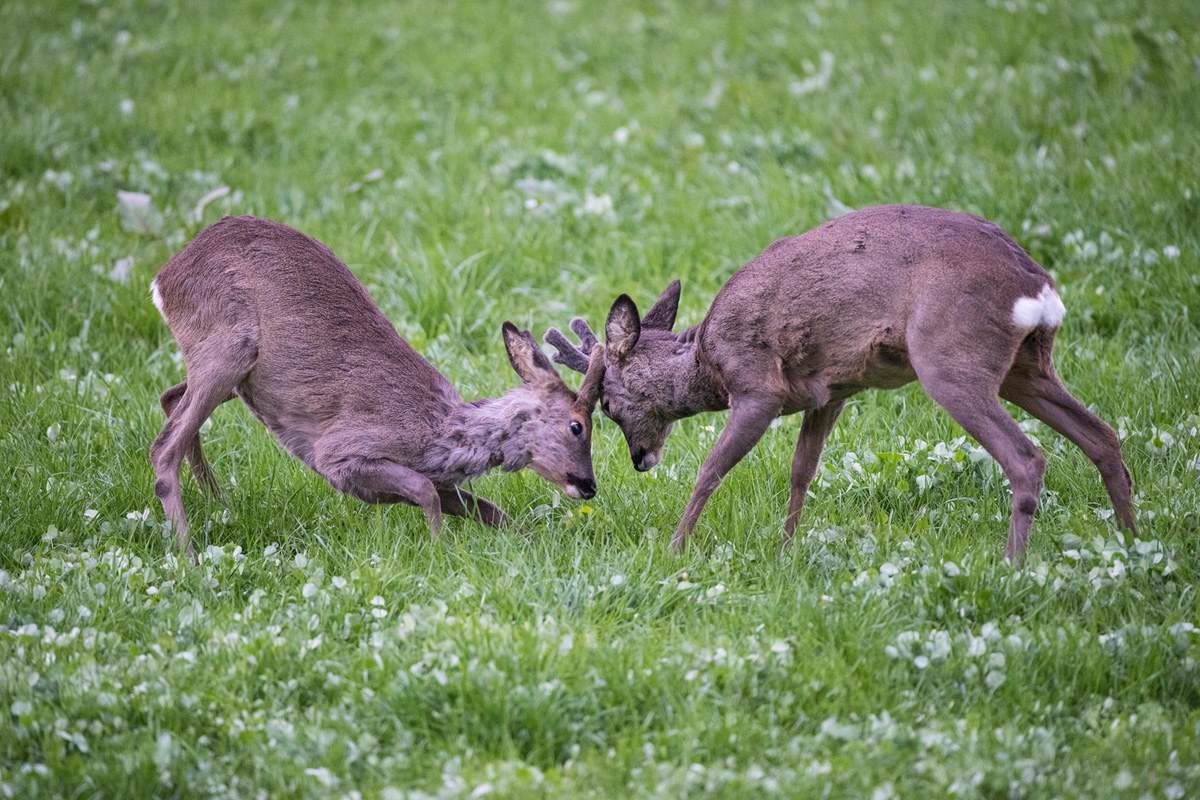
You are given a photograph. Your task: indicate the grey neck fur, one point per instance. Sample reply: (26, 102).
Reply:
(695, 386)
(481, 435)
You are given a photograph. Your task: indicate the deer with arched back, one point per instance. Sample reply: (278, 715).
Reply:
(266, 314)
(873, 299)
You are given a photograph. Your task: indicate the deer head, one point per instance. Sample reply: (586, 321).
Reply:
(555, 423)
(645, 382)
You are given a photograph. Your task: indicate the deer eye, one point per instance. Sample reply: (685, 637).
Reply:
(576, 428)
(604, 407)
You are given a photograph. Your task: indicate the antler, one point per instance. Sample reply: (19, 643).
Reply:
(570, 356)
(593, 381)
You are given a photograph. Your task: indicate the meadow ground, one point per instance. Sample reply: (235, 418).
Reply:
(476, 162)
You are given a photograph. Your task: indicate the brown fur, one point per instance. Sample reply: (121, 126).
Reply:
(873, 299)
(266, 314)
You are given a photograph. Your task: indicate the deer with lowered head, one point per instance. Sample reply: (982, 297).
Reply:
(264, 313)
(873, 299)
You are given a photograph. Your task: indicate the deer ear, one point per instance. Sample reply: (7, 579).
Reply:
(662, 315)
(622, 328)
(525, 356)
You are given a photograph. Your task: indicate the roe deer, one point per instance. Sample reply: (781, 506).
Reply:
(872, 299)
(262, 312)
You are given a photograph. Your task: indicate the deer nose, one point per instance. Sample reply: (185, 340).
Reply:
(644, 461)
(586, 486)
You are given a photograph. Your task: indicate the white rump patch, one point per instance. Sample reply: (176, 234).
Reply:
(1045, 309)
(156, 298)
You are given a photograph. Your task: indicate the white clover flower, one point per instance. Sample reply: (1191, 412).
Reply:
(884, 791)
(977, 646)
(716, 591)
(939, 645)
(616, 580)
(921, 662)
(323, 776)
(817, 81)
(1160, 441)
(951, 569)
(596, 206)
(309, 590)
(906, 639)
(338, 581)
(377, 601)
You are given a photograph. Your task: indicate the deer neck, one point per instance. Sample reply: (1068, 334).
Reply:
(479, 436)
(696, 385)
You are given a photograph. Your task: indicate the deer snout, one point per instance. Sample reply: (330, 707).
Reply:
(643, 460)
(585, 487)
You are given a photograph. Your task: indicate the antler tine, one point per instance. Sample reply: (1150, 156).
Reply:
(566, 353)
(587, 339)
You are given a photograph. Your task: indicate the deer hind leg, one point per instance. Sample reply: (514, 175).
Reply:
(378, 480)
(748, 421)
(194, 454)
(814, 430)
(1033, 385)
(967, 385)
(215, 367)
(462, 503)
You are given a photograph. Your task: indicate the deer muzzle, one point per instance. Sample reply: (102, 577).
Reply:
(644, 460)
(580, 488)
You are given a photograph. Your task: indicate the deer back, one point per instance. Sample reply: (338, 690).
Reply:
(323, 348)
(837, 301)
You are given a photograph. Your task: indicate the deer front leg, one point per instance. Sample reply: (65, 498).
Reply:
(377, 480)
(818, 422)
(748, 421)
(462, 503)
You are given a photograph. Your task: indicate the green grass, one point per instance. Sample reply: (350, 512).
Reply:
(447, 152)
